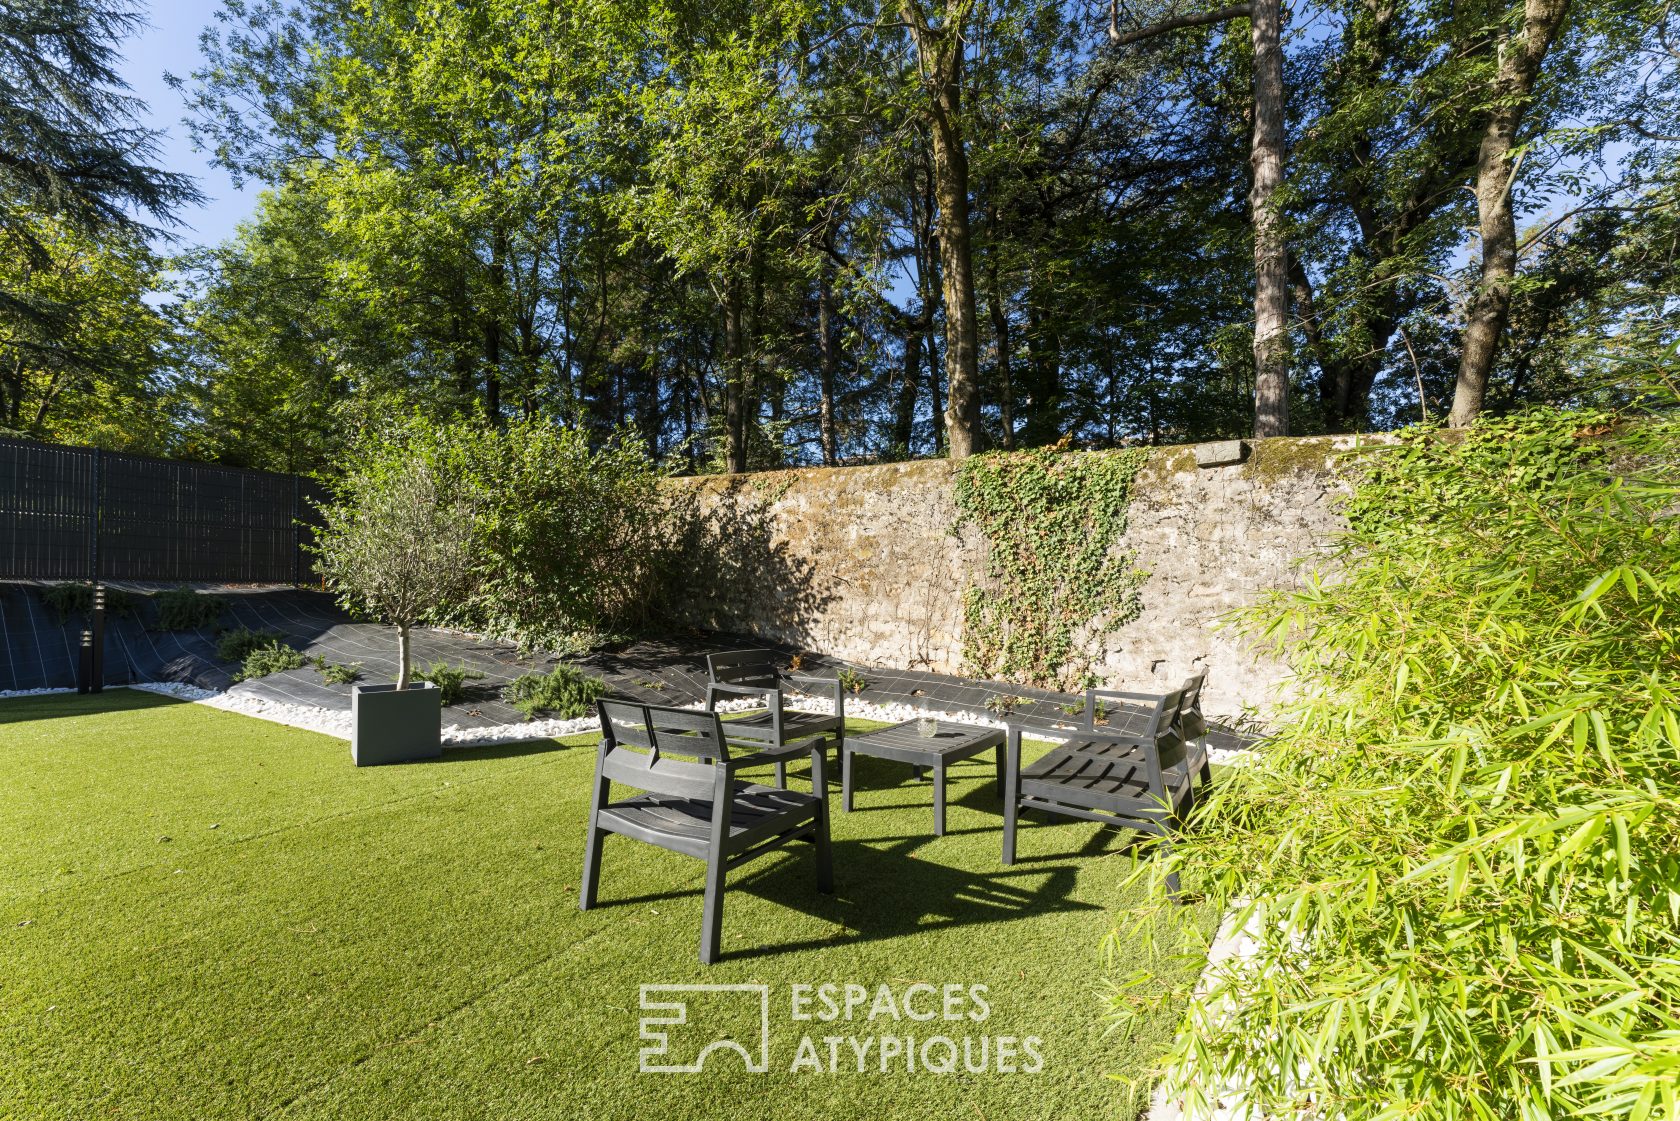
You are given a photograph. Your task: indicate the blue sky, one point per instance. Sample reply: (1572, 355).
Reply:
(170, 44)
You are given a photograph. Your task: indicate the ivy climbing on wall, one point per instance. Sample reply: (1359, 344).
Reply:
(1052, 520)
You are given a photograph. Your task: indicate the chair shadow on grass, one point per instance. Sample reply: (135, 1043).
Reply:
(882, 893)
(884, 889)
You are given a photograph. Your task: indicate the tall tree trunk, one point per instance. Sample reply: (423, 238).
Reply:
(1490, 308)
(1044, 369)
(828, 365)
(1006, 386)
(1271, 274)
(904, 418)
(734, 383)
(402, 656)
(940, 51)
(493, 327)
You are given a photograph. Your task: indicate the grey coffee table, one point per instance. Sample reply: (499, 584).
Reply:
(949, 743)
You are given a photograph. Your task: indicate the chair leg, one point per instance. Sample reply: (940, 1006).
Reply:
(781, 774)
(847, 766)
(591, 868)
(711, 922)
(1000, 772)
(1011, 794)
(825, 853)
(1010, 810)
(939, 799)
(1175, 891)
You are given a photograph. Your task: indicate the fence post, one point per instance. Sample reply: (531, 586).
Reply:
(94, 504)
(297, 537)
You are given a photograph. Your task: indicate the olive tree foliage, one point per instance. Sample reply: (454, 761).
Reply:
(525, 531)
(398, 541)
(1459, 858)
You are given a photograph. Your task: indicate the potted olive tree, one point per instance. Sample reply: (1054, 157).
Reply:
(396, 545)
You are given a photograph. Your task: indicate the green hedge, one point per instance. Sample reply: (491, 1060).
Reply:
(1461, 857)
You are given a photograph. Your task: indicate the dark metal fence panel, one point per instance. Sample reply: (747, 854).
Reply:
(46, 510)
(156, 519)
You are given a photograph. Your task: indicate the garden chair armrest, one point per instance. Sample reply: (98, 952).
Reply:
(772, 697)
(801, 682)
(813, 679)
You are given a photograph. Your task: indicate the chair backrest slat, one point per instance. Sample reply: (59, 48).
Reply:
(1191, 723)
(658, 775)
(757, 668)
(668, 751)
(1153, 708)
(1169, 741)
(625, 723)
(1162, 733)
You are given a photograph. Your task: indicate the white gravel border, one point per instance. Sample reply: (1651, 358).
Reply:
(336, 722)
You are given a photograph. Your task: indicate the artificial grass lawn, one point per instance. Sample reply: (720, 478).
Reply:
(209, 916)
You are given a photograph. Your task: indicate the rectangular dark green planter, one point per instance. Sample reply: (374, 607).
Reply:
(391, 725)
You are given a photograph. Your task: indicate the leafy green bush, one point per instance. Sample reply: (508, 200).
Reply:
(183, 609)
(566, 539)
(569, 537)
(450, 680)
(333, 674)
(564, 692)
(76, 599)
(235, 644)
(274, 657)
(1460, 859)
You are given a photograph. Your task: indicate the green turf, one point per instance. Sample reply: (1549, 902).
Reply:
(204, 915)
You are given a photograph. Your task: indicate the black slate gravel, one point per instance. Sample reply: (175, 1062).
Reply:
(37, 650)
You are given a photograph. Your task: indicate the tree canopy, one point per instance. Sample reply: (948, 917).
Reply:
(824, 232)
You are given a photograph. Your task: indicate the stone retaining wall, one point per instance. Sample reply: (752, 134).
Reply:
(863, 563)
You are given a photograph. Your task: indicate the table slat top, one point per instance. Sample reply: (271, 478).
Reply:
(948, 737)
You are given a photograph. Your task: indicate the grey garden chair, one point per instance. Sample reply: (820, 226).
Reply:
(1136, 781)
(774, 733)
(692, 802)
(1192, 725)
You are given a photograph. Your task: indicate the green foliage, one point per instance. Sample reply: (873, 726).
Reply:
(183, 609)
(1052, 520)
(450, 680)
(851, 680)
(271, 657)
(1459, 858)
(569, 540)
(236, 645)
(74, 598)
(1002, 704)
(565, 692)
(397, 544)
(337, 674)
(1099, 715)
(83, 355)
